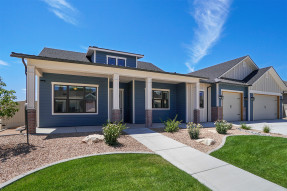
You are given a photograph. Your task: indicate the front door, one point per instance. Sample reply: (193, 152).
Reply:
(121, 97)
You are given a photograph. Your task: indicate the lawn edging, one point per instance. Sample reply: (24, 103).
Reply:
(61, 161)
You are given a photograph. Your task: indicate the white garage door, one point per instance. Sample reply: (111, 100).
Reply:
(231, 106)
(264, 107)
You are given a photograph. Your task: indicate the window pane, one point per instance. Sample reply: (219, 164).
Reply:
(60, 106)
(201, 99)
(165, 103)
(76, 92)
(90, 106)
(76, 106)
(111, 61)
(60, 92)
(91, 93)
(164, 95)
(157, 94)
(156, 103)
(121, 62)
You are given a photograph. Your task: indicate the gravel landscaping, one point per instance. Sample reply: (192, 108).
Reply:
(183, 137)
(16, 157)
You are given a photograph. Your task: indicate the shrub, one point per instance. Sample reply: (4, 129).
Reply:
(222, 126)
(266, 129)
(229, 126)
(171, 125)
(112, 132)
(193, 130)
(244, 126)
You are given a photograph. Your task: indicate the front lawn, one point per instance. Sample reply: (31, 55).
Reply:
(262, 156)
(110, 172)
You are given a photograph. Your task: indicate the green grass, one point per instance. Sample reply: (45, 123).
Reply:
(110, 172)
(262, 156)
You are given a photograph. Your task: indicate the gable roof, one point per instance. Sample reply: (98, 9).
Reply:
(218, 70)
(81, 57)
(255, 75)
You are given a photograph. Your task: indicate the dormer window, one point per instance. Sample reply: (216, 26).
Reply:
(116, 61)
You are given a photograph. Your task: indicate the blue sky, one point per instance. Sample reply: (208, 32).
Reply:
(178, 36)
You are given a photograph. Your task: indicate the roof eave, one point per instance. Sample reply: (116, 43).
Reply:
(20, 55)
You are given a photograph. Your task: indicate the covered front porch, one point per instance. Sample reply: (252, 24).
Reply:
(129, 95)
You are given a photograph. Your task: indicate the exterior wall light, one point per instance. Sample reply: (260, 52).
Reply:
(252, 98)
(221, 97)
(245, 98)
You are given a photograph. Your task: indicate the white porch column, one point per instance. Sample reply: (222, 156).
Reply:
(116, 115)
(148, 104)
(248, 103)
(31, 110)
(30, 87)
(196, 112)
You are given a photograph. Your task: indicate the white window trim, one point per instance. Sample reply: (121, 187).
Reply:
(74, 84)
(116, 57)
(202, 90)
(168, 99)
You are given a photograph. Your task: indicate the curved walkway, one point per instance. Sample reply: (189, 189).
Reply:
(212, 172)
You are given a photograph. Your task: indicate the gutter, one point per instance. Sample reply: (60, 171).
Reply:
(20, 55)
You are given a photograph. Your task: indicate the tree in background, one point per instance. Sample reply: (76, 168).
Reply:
(8, 106)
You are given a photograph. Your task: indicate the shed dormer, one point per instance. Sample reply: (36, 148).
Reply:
(113, 57)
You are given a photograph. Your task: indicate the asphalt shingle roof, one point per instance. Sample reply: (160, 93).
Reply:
(216, 71)
(80, 56)
(255, 75)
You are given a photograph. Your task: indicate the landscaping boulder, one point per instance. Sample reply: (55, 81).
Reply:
(93, 139)
(206, 141)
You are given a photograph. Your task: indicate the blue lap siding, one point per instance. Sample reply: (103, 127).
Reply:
(45, 102)
(47, 119)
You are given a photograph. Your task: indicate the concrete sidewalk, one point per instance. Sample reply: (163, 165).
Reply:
(212, 172)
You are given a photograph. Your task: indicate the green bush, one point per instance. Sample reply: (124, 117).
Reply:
(244, 126)
(171, 125)
(222, 126)
(266, 129)
(112, 132)
(229, 126)
(193, 130)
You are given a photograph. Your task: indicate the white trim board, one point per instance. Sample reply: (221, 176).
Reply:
(75, 84)
(115, 51)
(265, 93)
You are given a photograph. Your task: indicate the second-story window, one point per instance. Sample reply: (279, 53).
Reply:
(116, 61)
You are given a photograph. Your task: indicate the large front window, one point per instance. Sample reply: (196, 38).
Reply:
(75, 99)
(160, 99)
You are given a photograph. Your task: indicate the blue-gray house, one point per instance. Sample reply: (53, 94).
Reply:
(89, 89)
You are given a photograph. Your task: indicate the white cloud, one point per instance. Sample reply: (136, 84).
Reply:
(210, 16)
(63, 10)
(3, 63)
(84, 47)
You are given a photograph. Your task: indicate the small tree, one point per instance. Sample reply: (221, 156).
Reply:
(8, 107)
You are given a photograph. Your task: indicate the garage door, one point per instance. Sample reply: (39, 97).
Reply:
(231, 106)
(264, 107)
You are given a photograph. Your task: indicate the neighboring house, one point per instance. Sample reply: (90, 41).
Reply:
(239, 90)
(88, 89)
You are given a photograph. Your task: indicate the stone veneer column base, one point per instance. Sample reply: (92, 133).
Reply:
(116, 115)
(196, 116)
(148, 118)
(216, 113)
(31, 119)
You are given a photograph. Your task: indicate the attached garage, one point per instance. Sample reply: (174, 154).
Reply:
(232, 106)
(265, 107)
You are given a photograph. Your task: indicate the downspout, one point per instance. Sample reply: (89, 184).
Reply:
(26, 120)
(207, 103)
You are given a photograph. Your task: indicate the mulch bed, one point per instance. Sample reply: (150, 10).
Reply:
(16, 157)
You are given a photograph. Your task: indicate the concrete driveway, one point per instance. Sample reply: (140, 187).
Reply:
(277, 126)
